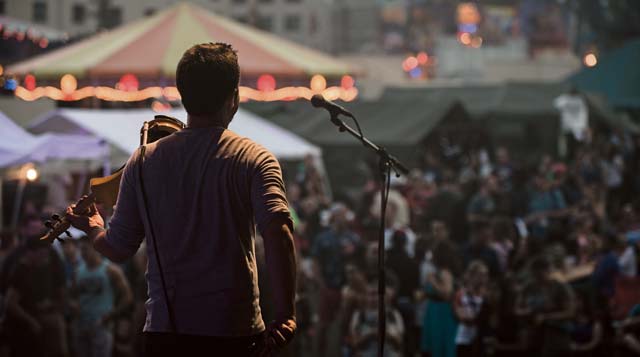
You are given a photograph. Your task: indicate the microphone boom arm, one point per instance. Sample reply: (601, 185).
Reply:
(380, 151)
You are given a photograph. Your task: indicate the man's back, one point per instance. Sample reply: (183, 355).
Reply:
(204, 187)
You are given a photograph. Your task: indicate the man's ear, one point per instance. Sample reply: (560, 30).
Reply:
(235, 101)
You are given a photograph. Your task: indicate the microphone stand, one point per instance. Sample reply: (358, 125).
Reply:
(386, 163)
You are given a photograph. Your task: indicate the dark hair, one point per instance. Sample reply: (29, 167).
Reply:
(207, 75)
(444, 257)
(398, 240)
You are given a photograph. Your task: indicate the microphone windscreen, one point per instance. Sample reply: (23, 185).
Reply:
(317, 100)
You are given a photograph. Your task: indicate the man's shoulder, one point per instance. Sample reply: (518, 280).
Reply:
(244, 143)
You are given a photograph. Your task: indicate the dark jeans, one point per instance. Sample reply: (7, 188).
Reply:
(157, 344)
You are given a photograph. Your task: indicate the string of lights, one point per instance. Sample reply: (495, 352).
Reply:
(126, 90)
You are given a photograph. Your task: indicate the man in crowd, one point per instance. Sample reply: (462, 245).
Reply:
(331, 251)
(102, 294)
(35, 302)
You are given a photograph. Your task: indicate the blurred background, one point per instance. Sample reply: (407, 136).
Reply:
(516, 231)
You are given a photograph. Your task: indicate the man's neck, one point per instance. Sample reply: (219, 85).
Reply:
(205, 121)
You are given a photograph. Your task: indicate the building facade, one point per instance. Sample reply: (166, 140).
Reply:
(334, 26)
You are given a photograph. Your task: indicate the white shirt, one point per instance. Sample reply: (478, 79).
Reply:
(574, 114)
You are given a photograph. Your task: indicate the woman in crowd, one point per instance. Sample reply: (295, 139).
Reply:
(469, 302)
(439, 324)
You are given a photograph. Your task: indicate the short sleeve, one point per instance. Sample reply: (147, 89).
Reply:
(126, 229)
(268, 196)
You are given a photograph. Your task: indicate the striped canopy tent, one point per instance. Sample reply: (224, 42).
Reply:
(150, 49)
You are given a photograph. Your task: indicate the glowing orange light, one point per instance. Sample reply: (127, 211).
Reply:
(590, 60)
(158, 106)
(266, 83)
(347, 82)
(1, 70)
(171, 93)
(128, 83)
(423, 58)
(409, 63)
(465, 38)
(43, 43)
(68, 84)
(30, 82)
(476, 42)
(318, 83)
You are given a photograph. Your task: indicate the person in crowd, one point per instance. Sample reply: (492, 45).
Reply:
(504, 168)
(612, 168)
(439, 326)
(331, 250)
(354, 295)
(102, 294)
(628, 333)
(364, 326)
(627, 260)
(586, 330)
(35, 302)
(405, 267)
(483, 205)
(549, 306)
(72, 260)
(447, 206)
(607, 268)
(479, 248)
(503, 242)
(587, 243)
(546, 205)
(398, 214)
(469, 301)
(30, 227)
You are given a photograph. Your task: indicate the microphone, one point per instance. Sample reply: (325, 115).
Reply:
(318, 101)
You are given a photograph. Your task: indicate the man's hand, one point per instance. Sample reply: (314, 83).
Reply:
(276, 337)
(85, 223)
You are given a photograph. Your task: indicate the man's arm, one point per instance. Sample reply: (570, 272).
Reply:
(93, 226)
(281, 265)
(126, 230)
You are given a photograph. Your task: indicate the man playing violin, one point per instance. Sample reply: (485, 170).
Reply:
(206, 189)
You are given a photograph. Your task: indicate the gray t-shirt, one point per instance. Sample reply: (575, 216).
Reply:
(207, 189)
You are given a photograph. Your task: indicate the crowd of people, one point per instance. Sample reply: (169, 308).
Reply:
(485, 255)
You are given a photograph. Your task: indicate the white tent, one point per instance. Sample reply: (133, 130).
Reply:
(17, 146)
(121, 128)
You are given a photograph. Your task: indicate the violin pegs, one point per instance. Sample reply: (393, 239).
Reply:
(48, 224)
(55, 217)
